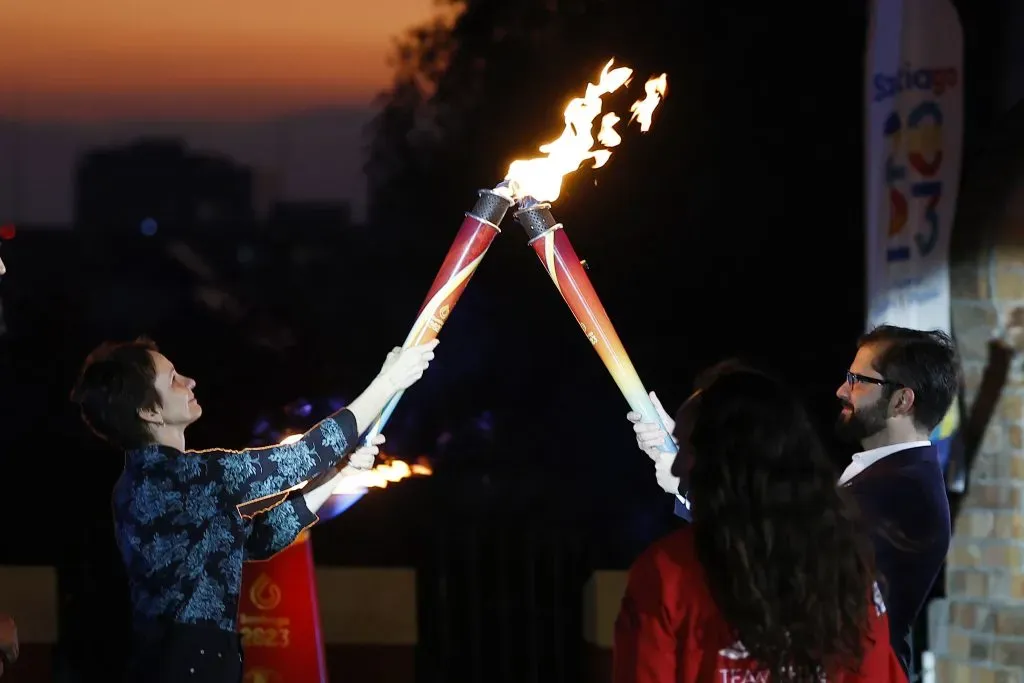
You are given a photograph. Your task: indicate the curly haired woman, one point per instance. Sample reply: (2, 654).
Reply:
(774, 580)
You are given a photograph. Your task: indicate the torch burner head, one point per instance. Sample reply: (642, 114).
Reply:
(491, 206)
(535, 217)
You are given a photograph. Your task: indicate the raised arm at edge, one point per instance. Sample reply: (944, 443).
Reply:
(367, 406)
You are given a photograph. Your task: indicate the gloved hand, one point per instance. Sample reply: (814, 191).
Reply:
(650, 438)
(364, 457)
(404, 367)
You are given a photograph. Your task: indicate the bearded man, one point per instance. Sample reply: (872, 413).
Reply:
(897, 390)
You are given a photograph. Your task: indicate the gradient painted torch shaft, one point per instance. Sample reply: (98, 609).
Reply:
(563, 266)
(479, 228)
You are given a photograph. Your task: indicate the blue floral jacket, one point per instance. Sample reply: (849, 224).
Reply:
(180, 531)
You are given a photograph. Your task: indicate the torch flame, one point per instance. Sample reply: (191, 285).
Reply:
(391, 470)
(608, 136)
(382, 475)
(541, 177)
(644, 109)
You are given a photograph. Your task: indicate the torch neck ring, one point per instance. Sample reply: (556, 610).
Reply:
(489, 224)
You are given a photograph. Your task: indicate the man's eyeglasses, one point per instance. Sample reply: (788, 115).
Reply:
(853, 378)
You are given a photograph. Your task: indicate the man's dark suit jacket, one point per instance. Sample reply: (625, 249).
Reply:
(903, 500)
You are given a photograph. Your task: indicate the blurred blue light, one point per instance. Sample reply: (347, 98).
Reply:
(148, 227)
(337, 504)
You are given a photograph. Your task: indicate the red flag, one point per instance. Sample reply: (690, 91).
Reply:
(279, 618)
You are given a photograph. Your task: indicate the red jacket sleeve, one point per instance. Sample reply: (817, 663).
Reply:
(645, 630)
(880, 663)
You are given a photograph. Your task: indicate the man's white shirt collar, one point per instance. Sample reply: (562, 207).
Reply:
(865, 459)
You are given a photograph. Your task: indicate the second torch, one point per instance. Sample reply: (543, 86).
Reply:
(556, 254)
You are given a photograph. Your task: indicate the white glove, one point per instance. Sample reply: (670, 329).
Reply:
(404, 367)
(364, 457)
(650, 437)
(668, 482)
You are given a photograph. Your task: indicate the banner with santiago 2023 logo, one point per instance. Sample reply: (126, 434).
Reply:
(913, 146)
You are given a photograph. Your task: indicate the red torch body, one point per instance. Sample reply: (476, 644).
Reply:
(563, 266)
(479, 228)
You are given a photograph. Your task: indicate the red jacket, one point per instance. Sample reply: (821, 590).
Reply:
(670, 631)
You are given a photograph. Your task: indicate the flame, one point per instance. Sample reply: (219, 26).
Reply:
(608, 136)
(391, 470)
(541, 177)
(643, 109)
(388, 471)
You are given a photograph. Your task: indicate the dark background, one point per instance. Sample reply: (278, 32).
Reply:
(733, 227)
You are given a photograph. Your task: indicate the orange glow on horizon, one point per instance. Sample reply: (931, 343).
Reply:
(73, 59)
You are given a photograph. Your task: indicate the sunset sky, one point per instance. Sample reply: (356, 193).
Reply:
(78, 59)
(284, 86)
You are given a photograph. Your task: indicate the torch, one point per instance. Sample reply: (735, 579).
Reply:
(479, 228)
(556, 254)
(537, 182)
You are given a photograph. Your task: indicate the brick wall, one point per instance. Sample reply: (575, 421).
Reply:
(977, 631)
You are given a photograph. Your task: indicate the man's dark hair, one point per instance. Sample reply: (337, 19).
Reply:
(115, 383)
(925, 361)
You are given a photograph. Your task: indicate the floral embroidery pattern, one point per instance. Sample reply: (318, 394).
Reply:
(177, 524)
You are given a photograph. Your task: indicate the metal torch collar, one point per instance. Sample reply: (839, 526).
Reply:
(490, 208)
(537, 220)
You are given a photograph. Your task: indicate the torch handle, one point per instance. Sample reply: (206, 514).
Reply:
(479, 228)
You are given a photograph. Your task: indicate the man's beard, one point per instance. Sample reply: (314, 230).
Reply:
(860, 424)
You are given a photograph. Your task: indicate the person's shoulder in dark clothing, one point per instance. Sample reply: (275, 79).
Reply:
(904, 504)
(904, 495)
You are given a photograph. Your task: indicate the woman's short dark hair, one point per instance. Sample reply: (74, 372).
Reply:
(115, 383)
